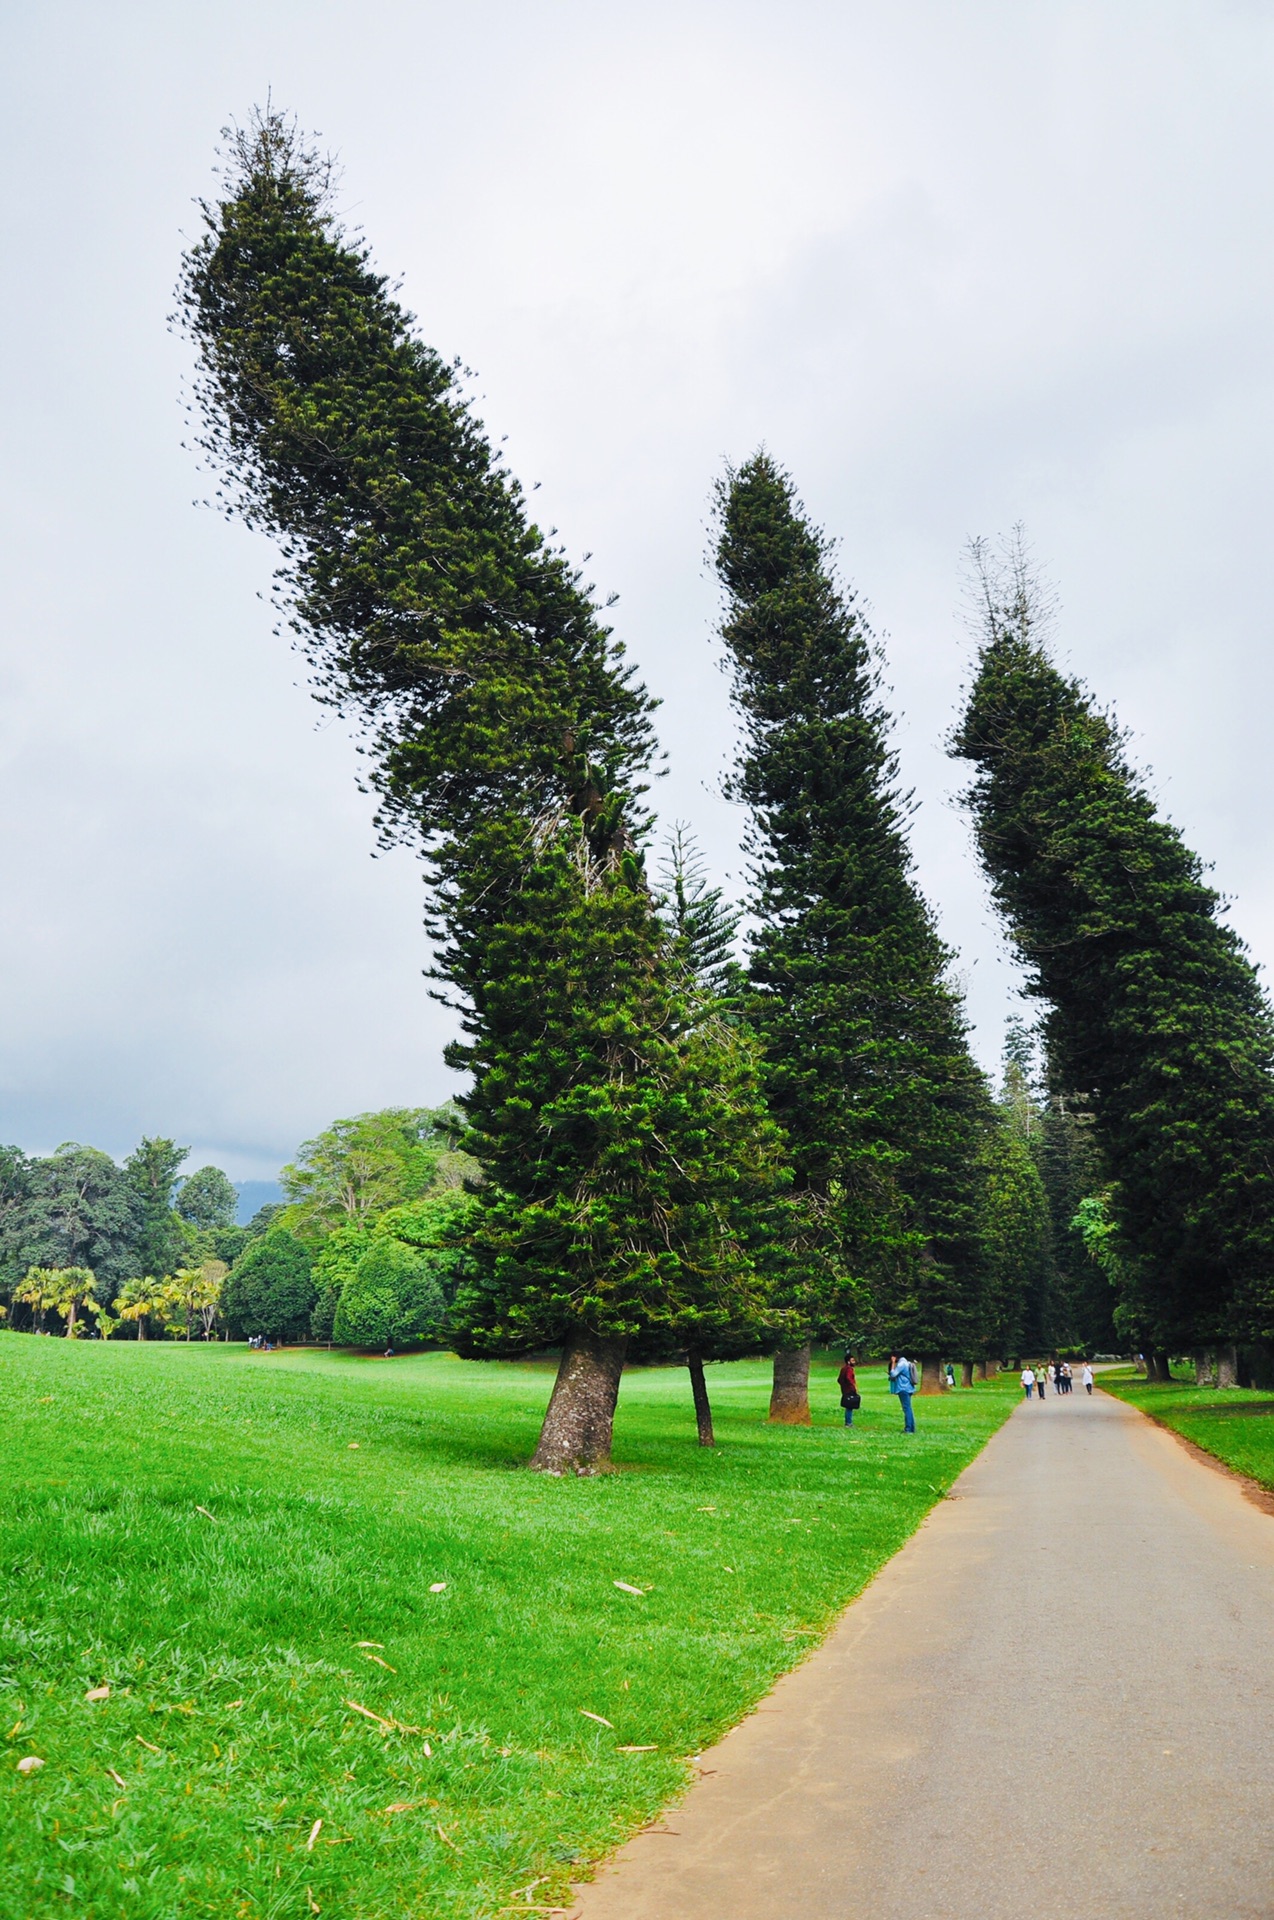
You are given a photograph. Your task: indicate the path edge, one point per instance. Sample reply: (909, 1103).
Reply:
(1254, 1490)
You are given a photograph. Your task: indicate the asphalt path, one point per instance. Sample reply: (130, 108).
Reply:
(1059, 1696)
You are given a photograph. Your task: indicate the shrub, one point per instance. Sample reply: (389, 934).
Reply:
(392, 1299)
(271, 1292)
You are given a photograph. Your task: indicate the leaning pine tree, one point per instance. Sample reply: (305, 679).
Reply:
(506, 739)
(866, 1063)
(1155, 1015)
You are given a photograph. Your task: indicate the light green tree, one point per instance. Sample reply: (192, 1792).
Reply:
(358, 1168)
(140, 1300)
(61, 1290)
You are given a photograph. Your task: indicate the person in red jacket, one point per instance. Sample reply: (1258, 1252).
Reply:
(848, 1385)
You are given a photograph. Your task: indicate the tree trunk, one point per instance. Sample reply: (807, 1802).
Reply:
(966, 1373)
(1159, 1368)
(1227, 1366)
(1204, 1367)
(790, 1394)
(141, 1326)
(703, 1409)
(932, 1378)
(576, 1434)
(70, 1321)
(982, 1372)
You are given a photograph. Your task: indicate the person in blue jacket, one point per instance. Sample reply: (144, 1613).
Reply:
(902, 1381)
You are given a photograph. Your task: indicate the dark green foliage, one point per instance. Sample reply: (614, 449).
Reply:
(335, 1263)
(1155, 1016)
(152, 1169)
(505, 737)
(271, 1292)
(866, 1064)
(1070, 1167)
(75, 1209)
(702, 929)
(392, 1300)
(207, 1200)
(228, 1243)
(264, 1218)
(16, 1180)
(625, 1139)
(427, 600)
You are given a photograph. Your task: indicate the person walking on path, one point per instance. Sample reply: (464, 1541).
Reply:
(847, 1381)
(1058, 1379)
(1087, 1377)
(1028, 1382)
(902, 1381)
(1041, 1375)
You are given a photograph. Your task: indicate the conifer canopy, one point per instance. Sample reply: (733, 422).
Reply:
(867, 1068)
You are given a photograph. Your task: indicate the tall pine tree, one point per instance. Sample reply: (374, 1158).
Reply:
(1154, 1012)
(866, 1063)
(508, 740)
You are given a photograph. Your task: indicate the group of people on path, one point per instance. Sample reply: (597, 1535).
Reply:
(903, 1380)
(1035, 1379)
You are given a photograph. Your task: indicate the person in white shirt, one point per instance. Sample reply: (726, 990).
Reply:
(1087, 1377)
(1028, 1381)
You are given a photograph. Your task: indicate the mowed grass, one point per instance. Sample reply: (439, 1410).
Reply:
(1236, 1425)
(339, 1492)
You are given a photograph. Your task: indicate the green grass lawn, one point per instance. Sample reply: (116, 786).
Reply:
(370, 1538)
(1235, 1425)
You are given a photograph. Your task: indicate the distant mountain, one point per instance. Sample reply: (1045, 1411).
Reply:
(256, 1193)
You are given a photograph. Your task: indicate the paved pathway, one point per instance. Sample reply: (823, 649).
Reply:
(1059, 1697)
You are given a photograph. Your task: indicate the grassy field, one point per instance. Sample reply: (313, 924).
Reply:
(320, 1588)
(1236, 1425)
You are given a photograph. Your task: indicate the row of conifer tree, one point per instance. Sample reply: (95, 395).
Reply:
(681, 1156)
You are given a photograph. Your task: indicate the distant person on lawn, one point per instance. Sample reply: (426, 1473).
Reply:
(847, 1381)
(1028, 1381)
(1087, 1377)
(902, 1381)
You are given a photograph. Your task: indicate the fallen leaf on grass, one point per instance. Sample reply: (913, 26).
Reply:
(429, 1752)
(15, 1729)
(439, 1586)
(625, 1588)
(146, 1743)
(402, 1806)
(354, 1443)
(379, 1718)
(524, 1893)
(379, 1662)
(115, 1777)
(204, 1511)
(654, 1749)
(600, 1718)
(30, 1764)
(233, 1703)
(315, 1831)
(448, 1840)
(389, 1725)
(727, 1569)
(370, 1643)
(706, 1509)
(314, 1905)
(98, 1693)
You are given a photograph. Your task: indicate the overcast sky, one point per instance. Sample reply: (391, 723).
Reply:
(957, 266)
